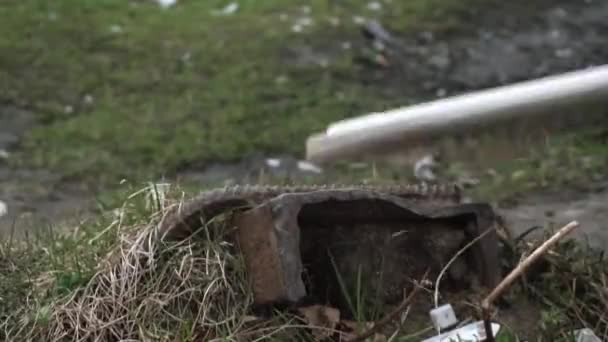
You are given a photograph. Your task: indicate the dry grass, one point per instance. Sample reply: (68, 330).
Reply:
(148, 289)
(141, 288)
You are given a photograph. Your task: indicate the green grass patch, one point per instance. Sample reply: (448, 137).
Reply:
(126, 89)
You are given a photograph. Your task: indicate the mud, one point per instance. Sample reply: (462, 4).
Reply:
(550, 210)
(35, 199)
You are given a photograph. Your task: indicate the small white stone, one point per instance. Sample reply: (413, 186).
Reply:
(273, 162)
(423, 169)
(281, 79)
(374, 6)
(296, 28)
(88, 99)
(229, 9)
(3, 209)
(166, 3)
(116, 29)
(301, 23)
(309, 167)
(359, 20)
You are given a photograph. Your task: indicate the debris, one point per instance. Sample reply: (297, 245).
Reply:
(4, 154)
(443, 317)
(309, 167)
(374, 6)
(586, 335)
(424, 168)
(166, 3)
(287, 231)
(301, 24)
(229, 9)
(88, 99)
(473, 332)
(359, 20)
(116, 29)
(273, 162)
(3, 209)
(323, 318)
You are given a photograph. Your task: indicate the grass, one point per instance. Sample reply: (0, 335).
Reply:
(125, 89)
(99, 281)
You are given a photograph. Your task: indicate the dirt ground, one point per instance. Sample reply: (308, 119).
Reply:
(499, 48)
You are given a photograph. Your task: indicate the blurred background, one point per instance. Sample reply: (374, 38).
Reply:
(99, 95)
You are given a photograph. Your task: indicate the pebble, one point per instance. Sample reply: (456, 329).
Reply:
(309, 167)
(3, 209)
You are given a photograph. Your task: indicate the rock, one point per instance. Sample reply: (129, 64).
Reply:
(3, 209)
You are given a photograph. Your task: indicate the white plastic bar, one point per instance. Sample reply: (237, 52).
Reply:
(543, 96)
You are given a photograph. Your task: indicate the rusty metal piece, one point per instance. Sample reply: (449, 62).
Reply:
(282, 233)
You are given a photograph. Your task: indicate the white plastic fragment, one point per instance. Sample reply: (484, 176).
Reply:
(374, 6)
(443, 317)
(229, 9)
(423, 169)
(359, 20)
(116, 29)
(308, 167)
(301, 23)
(586, 335)
(3, 209)
(273, 162)
(473, 332)
(4, 154)
(166, 3)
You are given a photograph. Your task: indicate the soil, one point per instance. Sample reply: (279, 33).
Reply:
(35, 199)
(497, 48)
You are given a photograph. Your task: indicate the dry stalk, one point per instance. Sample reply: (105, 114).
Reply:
(518, 271)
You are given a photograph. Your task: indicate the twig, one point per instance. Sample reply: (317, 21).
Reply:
(389, 317)
(518, 271)
(458, 254)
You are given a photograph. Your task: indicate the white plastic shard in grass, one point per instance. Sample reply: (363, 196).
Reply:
(459, 114)
(166, 3)
(3, 209)
(473, 332)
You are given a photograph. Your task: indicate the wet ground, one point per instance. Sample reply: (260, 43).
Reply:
(500, 48)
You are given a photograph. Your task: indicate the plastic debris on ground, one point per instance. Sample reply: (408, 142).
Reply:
(586, 335)
(166, 3)
(3, 209)
(229, 9)
(424, 168)
(471, 332)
